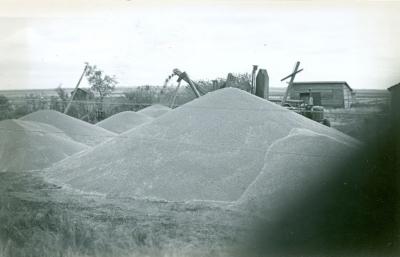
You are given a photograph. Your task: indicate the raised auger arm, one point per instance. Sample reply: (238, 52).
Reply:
(185, 77)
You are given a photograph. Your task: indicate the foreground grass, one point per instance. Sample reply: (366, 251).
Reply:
(38, 219)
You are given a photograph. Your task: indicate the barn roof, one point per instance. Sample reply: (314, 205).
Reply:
(322, 82)
(86, 90)
(394, 86)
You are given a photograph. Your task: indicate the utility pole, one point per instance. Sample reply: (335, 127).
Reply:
(253, 79)
(75, 90)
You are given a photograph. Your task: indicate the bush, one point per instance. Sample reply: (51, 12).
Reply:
(5, 108)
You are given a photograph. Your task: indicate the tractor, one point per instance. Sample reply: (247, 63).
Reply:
(303, 107)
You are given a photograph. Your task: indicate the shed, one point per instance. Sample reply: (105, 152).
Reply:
(333, 94)
(81, 102)
(82, 94)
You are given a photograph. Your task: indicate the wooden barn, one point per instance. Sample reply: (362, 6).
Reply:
(82, 94)
(331, 94)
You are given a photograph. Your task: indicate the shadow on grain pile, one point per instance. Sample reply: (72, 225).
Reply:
(354, 213)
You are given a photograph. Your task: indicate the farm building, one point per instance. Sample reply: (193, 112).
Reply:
(335, 94)
(82, 102)
(82, 94)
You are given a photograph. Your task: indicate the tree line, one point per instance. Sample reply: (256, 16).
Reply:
(98, 102)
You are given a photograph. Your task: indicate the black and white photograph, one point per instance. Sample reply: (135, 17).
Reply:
(199, 128)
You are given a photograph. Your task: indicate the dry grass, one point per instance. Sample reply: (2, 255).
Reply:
(358, 122)
(37, 219)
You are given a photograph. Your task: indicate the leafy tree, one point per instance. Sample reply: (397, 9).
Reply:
(62, 94)
(239, 80)
(5, 107)
(140, 95)
(4, 102)
(21, 110)
(101, 83)
(32, 102)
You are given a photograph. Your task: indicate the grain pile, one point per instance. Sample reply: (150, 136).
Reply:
(209, 149)
(293, 164)
(124, 121)
(155, 110)
(78, 130)
(26, 145)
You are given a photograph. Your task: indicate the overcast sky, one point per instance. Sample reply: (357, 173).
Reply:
(45, 43)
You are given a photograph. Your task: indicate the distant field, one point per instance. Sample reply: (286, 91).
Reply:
(274, 92)
(42, 92)
(372, 92)
(26, 92)
(368, 104)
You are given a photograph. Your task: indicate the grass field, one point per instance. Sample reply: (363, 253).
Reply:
(363, 119)
(40, 219)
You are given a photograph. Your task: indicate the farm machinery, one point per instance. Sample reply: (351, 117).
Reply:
(303, 107)
(197, 90)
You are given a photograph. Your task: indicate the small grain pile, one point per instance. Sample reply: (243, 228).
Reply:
(294, 164)
(26, 145)
(155, 110)
(124, 121)
(78, 130)
(211, 148)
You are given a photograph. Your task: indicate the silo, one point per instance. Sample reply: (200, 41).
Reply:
(262, 84)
